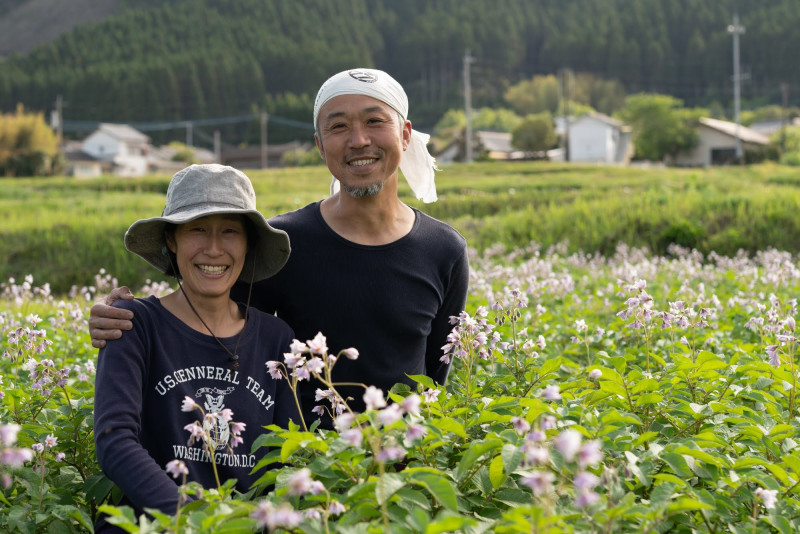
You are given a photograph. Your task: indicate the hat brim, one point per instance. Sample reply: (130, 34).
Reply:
(268, 254)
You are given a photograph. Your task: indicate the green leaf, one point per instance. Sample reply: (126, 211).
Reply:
(474, 452)
(447, 424)
(549, 366)
(496, 474)
(717, 459)
(649, 398)
(426, 381)
(438, 486)
(677, 463)
(685, 504)
(447, 524)
(387, 485)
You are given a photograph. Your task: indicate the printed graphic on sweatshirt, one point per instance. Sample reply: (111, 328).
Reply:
(214, 402)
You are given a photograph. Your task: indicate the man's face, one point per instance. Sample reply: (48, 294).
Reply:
(362, 142)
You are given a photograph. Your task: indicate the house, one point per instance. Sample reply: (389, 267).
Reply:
(249, 157)
(80, 164)
(597, 138)
(485, 144)
(124, 147)
(717, 143)
(772, 126)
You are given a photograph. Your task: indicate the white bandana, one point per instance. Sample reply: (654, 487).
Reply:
(417, 164)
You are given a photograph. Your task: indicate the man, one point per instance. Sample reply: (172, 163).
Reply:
(366, 270)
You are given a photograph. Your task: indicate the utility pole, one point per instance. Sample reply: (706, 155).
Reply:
(264, 159)
(217, 147)
(736, 30)
(565, 98)
(189, 141)
(468, 59)
(60, 119)
(784, 105)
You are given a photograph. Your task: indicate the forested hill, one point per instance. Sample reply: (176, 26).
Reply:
(188, 59)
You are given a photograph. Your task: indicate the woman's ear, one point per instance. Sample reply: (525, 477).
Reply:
(171, 244)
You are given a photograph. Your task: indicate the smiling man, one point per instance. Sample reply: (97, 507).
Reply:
(366, 270)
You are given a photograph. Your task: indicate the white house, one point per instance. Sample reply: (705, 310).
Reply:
(769, 127)
(717, 143)
(123, 146)
(597, 138)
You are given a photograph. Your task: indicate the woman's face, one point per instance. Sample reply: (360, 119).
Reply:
(210, 253)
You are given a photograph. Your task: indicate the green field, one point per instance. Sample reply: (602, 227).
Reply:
(64, 230)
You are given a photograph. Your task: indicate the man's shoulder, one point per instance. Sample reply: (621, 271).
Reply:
(296, 218)
(439, 233)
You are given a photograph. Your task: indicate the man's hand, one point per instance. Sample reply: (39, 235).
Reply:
(107, 322)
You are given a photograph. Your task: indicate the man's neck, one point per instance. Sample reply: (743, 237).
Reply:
(375, 220)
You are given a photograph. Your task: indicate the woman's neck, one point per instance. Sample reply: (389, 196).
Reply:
(221, 315)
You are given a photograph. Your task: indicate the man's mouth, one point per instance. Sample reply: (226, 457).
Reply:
(362, 162)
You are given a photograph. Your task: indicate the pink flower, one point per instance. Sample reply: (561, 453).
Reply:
(548, 422)
(595, 374)
(568, 443)
(273, 370)
(301, 373)
(51, 441)
(520, 425)
(284, 516)
(411, 404)
(237, 428)
(318, 345)
(551, 393)
(390, 415)
(585, 481)
(300, 482)
(297, 347)
(535, 454)
(343, 422)
(415, 432)
(315, 365)
(8, 434)
(336, 508)
(768, 497)
(541, 342)
(290, 359)
(373, 398)
(226, 415)
(189, 404)
(60, 456)
(317, 487)
(431, 395)
(353, 436)
(590, 454)
(586, 498)
(177, 468)
(390, 454)
(195, 432)
(351, 353)
(540, 482)
(37, 447)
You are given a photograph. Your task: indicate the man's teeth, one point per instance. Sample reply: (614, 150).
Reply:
(212, 269)
(362, 162)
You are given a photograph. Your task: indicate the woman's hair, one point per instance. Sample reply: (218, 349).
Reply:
(169, 233)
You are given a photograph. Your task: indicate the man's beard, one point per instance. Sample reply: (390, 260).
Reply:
(364, 191)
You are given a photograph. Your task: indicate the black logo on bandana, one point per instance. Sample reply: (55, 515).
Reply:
(362, 76)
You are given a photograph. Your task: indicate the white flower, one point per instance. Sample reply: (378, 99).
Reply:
(177, 468)
(768, 497)
(300, 482)
(568, 443)
(373, 398)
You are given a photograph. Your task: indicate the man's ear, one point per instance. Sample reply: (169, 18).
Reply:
(319, 146)
(406, 134)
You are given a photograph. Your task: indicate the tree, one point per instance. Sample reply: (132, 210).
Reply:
(540, 93)
(27, 144)
(535, 133)
(661, 126)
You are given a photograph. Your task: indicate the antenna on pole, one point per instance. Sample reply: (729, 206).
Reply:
(468, 59)
(736, 30)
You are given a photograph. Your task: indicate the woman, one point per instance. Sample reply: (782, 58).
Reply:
(195, 342)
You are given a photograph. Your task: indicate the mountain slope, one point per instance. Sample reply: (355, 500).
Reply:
(23, 25)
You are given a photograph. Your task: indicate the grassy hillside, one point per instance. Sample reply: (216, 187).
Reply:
(64, 230)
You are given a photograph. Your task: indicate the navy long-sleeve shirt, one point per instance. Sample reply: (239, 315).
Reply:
(392, 302)
(142, 380)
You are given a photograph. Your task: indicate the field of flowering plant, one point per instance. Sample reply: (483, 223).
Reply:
(628, 393)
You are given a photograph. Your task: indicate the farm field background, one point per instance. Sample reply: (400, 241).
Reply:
(63, 230)
(598, 386)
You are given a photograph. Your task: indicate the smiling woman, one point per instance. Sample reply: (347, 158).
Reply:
(209, 236)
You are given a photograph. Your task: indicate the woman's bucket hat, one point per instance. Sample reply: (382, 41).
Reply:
(202, 190)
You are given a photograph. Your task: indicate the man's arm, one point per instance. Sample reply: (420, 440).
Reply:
(107, 322)
(455, 299)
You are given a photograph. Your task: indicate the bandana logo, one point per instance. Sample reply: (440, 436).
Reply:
(362, 76)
